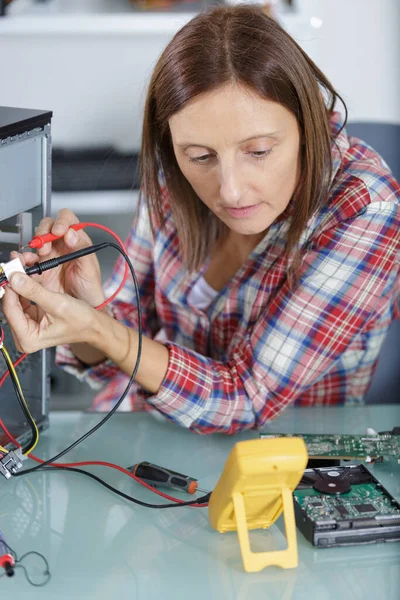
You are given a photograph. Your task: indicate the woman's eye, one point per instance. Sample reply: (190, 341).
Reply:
(200, 159)
(260, 153)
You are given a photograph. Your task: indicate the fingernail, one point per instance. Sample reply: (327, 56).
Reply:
(17, 281)
(72, 237)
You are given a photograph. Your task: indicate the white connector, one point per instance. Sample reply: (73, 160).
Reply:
(10, 267)
(10, 464)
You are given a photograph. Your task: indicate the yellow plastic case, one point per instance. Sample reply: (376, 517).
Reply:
(256, 485)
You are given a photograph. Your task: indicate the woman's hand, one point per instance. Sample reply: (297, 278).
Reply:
(53, 319)
(56, 318)
(80, 278)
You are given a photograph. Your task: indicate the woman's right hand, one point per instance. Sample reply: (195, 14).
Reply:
(80, 278)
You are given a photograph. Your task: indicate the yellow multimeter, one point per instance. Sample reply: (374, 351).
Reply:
(255, 487)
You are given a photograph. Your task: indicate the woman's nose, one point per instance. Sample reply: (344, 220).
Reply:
(231, 187)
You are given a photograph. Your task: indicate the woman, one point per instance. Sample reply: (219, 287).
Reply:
(268, 267)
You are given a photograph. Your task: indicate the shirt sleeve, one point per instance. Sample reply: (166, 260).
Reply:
(139, 246)
(344, 278)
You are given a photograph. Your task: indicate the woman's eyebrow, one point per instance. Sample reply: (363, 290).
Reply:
(271, 134)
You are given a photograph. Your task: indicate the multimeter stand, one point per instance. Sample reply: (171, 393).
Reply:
(254, 489)
(255, 561)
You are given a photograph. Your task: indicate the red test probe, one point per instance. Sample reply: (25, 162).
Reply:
(40, 240)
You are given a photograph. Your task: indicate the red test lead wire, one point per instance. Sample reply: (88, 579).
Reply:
(100, 463)
(39, 241)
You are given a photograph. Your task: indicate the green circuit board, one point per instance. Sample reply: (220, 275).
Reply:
(362, 501)
(363, 447)
(342, 506)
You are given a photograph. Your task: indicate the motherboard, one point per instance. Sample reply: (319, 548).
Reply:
(369, 447)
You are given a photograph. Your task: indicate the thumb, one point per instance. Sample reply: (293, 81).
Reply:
(29, 288)
(18, 282)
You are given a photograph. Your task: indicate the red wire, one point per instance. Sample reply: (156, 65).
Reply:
(101, 463)
(23, 356)
(20, 359)
(117, 291)
(126, 272)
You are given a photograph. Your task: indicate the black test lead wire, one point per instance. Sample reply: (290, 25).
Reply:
(201, 500)
(39, 268)
(55, 262)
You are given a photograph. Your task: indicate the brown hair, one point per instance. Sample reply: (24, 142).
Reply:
(243, 45)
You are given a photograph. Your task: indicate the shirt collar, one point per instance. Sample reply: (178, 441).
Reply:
(340, 142)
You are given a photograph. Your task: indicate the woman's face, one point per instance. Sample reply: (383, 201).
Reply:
(240, 153)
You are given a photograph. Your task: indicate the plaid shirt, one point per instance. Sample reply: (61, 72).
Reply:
(261, 346)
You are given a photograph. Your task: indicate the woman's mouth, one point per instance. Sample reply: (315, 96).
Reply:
(245, 211)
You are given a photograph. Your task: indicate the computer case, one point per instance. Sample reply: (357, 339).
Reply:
(25, 189)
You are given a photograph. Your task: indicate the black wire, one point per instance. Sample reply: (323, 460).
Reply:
(201, 500)
(18, 564)
(22, 405)
(131, 380)
(46, 573)
(44, 466)
(25, 411)
(40, 267)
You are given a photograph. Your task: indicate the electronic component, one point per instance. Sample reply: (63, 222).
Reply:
(8, 268)
(161, 477)
(343, 446)
(344, 506)
(254, 489)
(10, 463)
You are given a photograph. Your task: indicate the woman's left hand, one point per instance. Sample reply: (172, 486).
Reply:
(53, 319)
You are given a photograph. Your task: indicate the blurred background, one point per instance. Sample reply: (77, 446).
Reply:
(89, 61)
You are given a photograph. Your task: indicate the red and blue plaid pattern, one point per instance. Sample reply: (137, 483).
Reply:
(261, 346)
